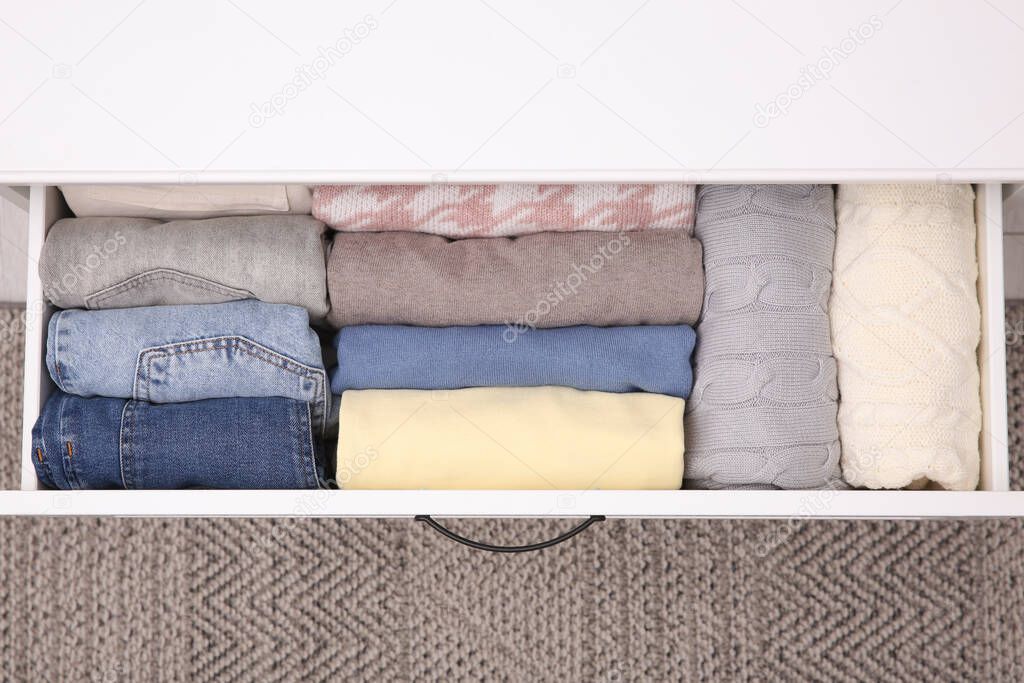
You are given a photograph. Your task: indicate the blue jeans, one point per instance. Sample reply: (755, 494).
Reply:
(230, 443)
(173, 354)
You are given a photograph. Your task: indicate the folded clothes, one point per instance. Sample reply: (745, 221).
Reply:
(509, 438)
(763, 406)
(543, 280)
(906, 326)
(237, 443)
(504, 210)
(186, 201)
(652, 358)
(172, 354)
(126, 262)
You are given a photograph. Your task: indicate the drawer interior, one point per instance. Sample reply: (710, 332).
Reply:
(47, 206)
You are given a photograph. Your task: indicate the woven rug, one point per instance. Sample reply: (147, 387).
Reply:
(265, 600)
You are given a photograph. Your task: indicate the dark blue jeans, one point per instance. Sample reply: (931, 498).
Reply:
(225, 443)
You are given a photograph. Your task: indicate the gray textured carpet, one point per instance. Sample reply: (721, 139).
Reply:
(111, 600)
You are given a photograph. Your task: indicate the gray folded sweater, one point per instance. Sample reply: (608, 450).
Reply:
(128, 262)
(763, 407)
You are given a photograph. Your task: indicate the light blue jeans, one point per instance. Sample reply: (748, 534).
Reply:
(174, 354)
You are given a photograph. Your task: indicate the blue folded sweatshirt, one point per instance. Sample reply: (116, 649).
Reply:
(651, 358)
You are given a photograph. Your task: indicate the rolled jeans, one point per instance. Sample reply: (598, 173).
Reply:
(173, 354)
(227, 443)
(110, 262)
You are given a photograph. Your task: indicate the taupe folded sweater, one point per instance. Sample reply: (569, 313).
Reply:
(540, 280)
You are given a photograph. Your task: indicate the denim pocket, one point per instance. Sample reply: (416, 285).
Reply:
(221, 367)
(164, 287)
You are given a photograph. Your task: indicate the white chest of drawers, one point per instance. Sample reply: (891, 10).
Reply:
(490, 92)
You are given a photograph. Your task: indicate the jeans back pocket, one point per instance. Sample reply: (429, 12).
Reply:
(224, 367)
(164, 287)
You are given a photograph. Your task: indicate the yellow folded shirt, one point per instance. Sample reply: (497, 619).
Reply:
(509, 438)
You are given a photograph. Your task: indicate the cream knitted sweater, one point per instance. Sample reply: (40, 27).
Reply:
(905, 330)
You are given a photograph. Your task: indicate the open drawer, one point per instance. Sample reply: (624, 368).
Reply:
(992, 499)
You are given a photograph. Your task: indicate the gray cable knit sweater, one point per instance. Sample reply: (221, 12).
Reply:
(762, 413)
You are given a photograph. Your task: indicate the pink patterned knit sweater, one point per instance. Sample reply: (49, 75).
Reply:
(504, 210)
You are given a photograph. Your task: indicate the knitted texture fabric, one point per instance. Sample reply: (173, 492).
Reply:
(906, 326)
(1015, 389)
(763, 407)
(137, 599)
(653, 358)
(502, 210)
(509, 438)
(544, 280)
(12, 360)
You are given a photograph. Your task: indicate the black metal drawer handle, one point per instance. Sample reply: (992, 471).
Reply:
(477, 545)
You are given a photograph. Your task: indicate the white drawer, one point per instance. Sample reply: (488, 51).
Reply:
(993, 498)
